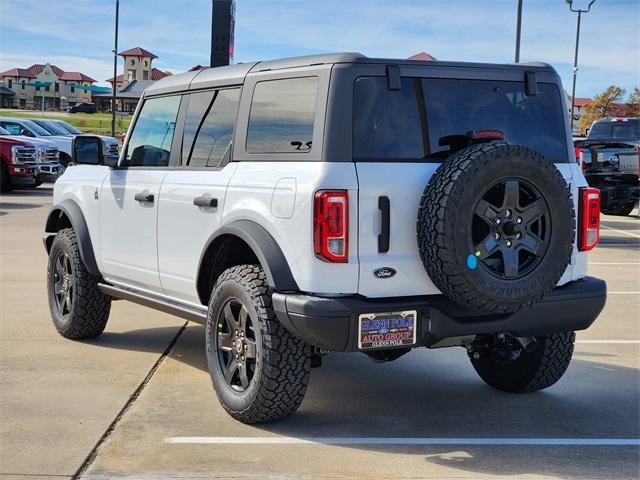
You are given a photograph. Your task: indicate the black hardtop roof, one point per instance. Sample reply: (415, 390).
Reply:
(234, 74)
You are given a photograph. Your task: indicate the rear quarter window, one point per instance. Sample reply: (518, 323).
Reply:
(282, 116)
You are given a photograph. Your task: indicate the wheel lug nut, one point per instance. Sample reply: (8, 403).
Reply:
(508, 243)
(246, 347)
(242, 358)
(518, 235)
(497, 221)
(507, 213)
(518, 220)
(497, 236)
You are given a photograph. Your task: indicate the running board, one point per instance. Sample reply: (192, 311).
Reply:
(188, 312)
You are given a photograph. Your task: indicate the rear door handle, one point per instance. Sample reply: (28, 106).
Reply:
(144, 197)
(204, 201)
(385, 232)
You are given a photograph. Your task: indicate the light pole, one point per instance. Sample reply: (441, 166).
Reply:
(115, 74)
(575, 58)
(518, 30)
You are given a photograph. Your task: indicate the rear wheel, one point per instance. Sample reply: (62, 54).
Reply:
(259, 370)
(504, 364)
(78, 308)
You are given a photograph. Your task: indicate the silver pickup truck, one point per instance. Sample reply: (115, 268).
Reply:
(610, 159)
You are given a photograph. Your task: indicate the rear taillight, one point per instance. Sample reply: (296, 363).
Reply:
(589, 219)
(331, 225)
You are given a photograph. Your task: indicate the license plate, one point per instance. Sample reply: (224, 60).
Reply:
(386, 330)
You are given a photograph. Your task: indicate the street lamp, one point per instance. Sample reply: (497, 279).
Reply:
(115, 73)
(575, 58)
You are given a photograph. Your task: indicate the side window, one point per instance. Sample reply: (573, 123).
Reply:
(12, 128)
(208, 133)
(282, 114)
(216, 133)
(150, 142)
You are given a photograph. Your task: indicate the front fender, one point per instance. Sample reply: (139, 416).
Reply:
(71, 210)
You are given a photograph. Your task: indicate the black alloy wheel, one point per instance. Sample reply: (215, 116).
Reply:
(236, 345)
(510, 231)
(63, 284)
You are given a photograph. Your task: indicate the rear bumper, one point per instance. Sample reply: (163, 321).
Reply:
(331, 323)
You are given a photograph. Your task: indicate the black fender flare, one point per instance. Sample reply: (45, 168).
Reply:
(265, 248)
(73, 212)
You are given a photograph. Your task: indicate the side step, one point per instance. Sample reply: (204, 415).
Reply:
(188, 312)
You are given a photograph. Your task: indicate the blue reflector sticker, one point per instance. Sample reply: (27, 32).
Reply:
(472, 262)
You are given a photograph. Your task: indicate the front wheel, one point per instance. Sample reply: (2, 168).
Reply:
(505, 365)
(78, 308)
(259, 370)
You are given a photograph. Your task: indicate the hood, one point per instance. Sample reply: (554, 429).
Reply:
(28, 141)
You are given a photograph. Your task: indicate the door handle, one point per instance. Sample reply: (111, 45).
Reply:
(385, 232)
(203, 201)
(144, 197)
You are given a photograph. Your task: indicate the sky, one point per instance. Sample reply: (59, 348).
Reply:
(77, 35)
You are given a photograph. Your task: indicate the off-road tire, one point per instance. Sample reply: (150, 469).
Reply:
(444, 223)
(621, 209)
(5, 179)
(532, 371)
(90, 307)
(283, 362)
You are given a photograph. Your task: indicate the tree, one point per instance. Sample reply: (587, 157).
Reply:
(603, 105)
(632, 105)
(168, 73)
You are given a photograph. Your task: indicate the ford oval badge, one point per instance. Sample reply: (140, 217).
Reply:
(384, 272)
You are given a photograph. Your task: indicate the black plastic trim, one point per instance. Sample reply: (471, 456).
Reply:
(264, 246)
(172, 307)
(385, 230)
(331, 323)
(79, 225)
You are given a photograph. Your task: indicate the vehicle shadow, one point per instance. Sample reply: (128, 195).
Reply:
(631, 226)
(617, 241)
(41, 191)
(19, 206)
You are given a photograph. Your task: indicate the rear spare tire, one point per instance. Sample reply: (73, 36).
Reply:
(496, 226)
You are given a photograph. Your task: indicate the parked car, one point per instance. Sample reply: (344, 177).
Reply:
(60, 127)
(82, 108)
(306, 205)
(43, 161)
(610, 160)
(28, 128)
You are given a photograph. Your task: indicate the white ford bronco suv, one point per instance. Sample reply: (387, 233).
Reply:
(337, 203)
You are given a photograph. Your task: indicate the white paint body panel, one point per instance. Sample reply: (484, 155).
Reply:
(404, 184)
(184, 229)
(128, 242)
(250, 197)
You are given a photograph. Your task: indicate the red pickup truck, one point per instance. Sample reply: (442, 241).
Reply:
(26, 162)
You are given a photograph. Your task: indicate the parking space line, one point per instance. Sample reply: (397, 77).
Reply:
(613, 342)
(620, 231)
(624, 293)
(614, 263)
(400, 441)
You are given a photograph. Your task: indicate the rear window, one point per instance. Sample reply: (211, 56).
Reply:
(621, 129)
(282, 114)
(409, 124)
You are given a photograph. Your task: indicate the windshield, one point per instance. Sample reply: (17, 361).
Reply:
(51, 127)
(34, 127)
(619, 129)
(68, 127)
(413, 123)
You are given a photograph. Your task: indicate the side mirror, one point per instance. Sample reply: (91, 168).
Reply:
(87, 150)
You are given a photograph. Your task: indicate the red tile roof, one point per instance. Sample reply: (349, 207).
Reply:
(137, 52)
(17, 72)
(157, 74)
(77, 76)
(118, 79)
(581, 101)
(38, 67)
(421, 56)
